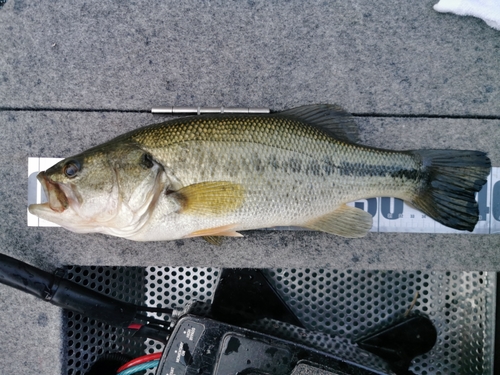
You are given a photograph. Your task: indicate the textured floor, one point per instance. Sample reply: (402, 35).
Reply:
(72, 76)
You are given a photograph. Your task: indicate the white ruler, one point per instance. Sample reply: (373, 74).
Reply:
(35, 191)
(389, 214)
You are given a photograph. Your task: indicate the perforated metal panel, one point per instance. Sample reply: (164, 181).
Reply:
(336, 308)
(178, 288)
(87, 339)
(353, 304)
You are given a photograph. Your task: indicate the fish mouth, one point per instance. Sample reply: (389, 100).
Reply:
(57, 200)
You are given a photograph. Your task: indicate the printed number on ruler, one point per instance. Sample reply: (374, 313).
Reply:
(389, 214)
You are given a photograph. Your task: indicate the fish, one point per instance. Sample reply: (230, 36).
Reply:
(214, 176)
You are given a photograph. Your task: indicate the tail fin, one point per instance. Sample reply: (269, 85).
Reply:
(450, 180)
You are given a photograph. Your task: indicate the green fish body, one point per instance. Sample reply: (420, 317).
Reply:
(216, 175)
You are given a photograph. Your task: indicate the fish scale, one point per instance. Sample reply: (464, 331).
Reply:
(275, 194)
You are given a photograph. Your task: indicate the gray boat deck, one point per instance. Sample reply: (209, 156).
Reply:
(75, 74)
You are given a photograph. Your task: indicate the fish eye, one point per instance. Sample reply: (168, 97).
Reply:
(71, 169)
(147, 161)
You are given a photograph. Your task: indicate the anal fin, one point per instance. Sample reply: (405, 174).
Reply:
(214, 240)
(345, 221)
(225, 230)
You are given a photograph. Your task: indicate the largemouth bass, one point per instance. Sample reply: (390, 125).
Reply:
(217, 175)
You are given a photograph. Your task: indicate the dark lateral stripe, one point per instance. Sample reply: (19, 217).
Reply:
(327, 168)
(367, 170)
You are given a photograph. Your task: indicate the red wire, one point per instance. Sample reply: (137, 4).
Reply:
(140, 360)
(135, 326)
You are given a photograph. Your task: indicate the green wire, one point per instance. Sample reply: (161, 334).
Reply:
(137, 368)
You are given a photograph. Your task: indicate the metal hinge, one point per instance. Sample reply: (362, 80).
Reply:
(206, 110)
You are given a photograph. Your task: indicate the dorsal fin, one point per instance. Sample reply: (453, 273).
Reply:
(330, 118)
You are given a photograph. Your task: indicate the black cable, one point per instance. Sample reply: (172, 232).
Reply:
(64, 293)
(24, 277)
(162, 310)
(153, 332)
(108, 363)
(151, 320)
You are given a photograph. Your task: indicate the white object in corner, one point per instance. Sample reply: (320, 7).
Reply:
(487, 10)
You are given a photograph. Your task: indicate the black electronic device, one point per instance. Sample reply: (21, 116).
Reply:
(202, 346)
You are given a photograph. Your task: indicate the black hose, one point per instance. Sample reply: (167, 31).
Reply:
(65, 293)
(108, 363)
(24, 277)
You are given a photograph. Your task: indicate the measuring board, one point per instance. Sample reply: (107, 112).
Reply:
(389, 214)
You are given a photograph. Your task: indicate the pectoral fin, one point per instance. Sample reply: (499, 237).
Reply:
(345, 221)
(210, 198)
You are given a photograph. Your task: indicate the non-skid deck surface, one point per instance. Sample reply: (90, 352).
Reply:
(75, 74)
